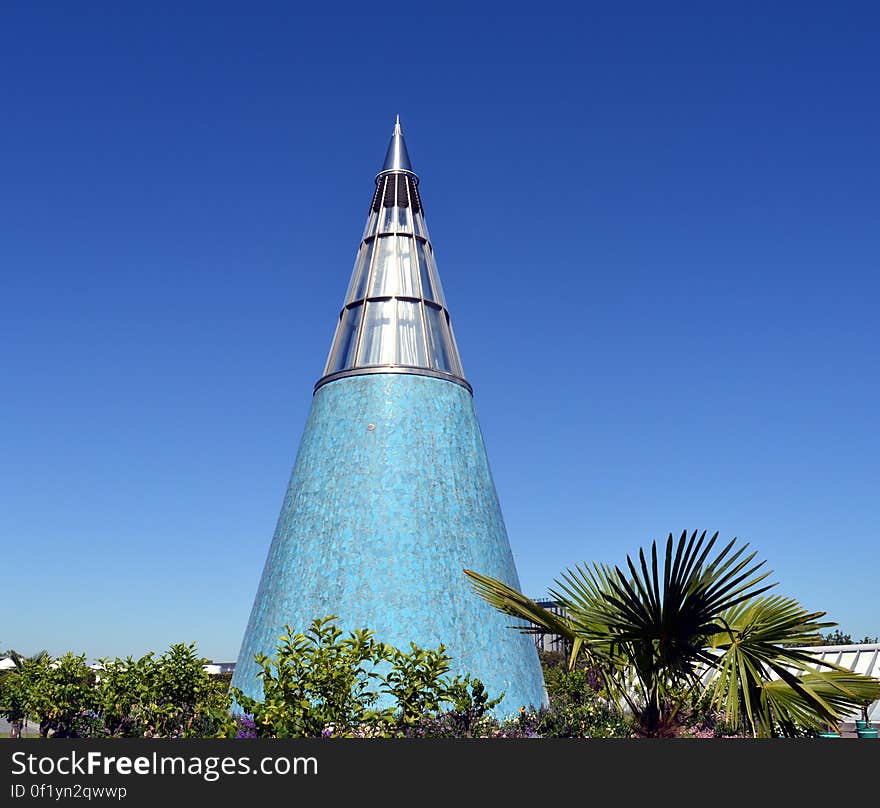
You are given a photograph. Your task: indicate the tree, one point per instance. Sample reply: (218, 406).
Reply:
(61, 695)
(169, 697)
(836, 637)
(701, 627)
(14, 689)
(191, 702)
(124, 687)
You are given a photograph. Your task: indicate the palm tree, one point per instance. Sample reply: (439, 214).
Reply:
(703, 628)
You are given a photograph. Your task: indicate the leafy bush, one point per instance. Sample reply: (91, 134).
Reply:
(169, 697)
(469, 716)
(172, 696)
(124, 685)
(15, 688)
(184, 701)
(577, 708)
(61, 696)
(317, 680)
(323, 684)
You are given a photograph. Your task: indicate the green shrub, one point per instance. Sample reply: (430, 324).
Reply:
(577, 708)
(61, 696)
(321, 684)
(169, 697)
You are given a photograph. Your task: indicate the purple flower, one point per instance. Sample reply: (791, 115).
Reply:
(246, 727)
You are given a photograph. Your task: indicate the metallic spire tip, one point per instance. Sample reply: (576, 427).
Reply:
(397, 158)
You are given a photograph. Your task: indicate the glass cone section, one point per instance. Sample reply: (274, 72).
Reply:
(394, 317)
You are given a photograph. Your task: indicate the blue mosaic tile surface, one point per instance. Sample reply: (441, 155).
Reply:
(391, 497)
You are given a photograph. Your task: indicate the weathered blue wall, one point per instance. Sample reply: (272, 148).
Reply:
(391, 497)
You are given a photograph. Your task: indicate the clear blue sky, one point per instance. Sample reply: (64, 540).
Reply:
(657, 230)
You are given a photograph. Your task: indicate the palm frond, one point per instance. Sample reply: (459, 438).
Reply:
(706, 623)
(509, 601)
(755, 669)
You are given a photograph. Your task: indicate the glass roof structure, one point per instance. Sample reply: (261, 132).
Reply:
(861, 658)
(394, 318)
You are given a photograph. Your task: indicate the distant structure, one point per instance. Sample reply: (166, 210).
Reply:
(218, 668)
(391, 495)
(547, 641)
(861, 658)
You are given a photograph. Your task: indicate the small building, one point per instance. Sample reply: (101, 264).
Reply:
(218, 668)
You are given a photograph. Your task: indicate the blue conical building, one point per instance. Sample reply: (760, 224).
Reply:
(391, 495)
